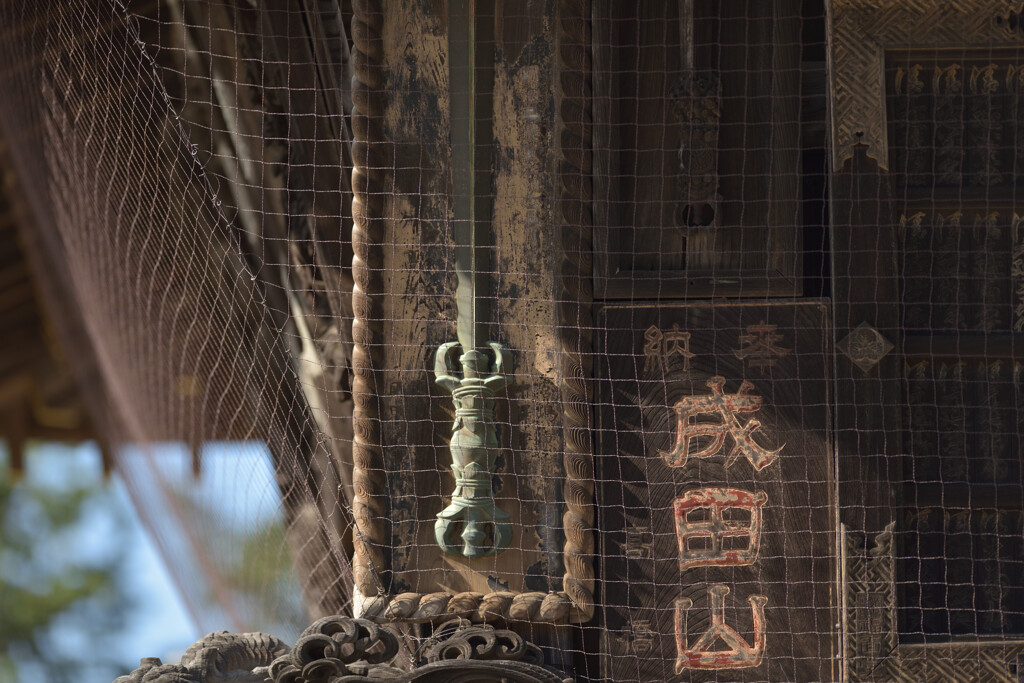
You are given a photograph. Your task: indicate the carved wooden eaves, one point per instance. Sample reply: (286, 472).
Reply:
(861, 31)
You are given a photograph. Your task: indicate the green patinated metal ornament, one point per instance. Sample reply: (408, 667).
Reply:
(474, 443)
(474, 448)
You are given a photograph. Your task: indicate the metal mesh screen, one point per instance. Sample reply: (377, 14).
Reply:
(183, 341)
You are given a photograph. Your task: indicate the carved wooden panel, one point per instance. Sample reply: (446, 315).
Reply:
(872, 651)
(863, 31)
(716, 493)
(686, 204)
(954, 118)
(931, 91)
(958, 268)
(954, 124)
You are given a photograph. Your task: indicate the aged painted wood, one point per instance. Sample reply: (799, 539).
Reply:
(541, 577)
(485, 367)
(866, 292)
(717, 487)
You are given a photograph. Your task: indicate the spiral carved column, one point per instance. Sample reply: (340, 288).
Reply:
(576, 299)
(368, 183)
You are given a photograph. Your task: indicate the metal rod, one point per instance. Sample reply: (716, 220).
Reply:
(485, 528)
(471, 77)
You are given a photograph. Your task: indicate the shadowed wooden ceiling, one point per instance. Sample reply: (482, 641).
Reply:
(39, 399)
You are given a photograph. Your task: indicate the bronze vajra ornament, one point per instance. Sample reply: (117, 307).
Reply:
(486, 529)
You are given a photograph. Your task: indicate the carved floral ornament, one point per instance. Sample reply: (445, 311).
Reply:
(865, 346)
(343, 650)
(860, 33)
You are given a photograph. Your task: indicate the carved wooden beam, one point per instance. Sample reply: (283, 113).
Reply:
(339, 648)
(575, 170)
(372, 533)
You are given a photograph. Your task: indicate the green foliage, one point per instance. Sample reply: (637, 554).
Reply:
(265, 583)
(254, 563)
(61, 598)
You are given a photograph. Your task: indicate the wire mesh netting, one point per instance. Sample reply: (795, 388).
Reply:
(178, 337)
(682, 338)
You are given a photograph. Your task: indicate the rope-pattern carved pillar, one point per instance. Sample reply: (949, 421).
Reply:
(369, 505)
(576, 299)
(551, 608)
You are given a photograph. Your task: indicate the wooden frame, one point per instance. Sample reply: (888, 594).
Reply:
(862, 30)
(662, 362)
(865, 223)
(372, 535)
(642, 251)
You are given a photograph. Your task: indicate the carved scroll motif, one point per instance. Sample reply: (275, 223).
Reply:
(340, 648)
(713, 540)
(706, 652)
(705, 439)
(860, 33)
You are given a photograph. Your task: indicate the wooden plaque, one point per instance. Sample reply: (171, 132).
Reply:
(716, 493)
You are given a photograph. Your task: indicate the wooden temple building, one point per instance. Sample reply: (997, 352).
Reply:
(592, 341)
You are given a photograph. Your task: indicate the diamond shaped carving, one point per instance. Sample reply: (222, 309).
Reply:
(865, 346)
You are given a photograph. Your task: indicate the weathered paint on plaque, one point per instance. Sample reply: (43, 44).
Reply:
(708, 437)
(716, 493)
(720, 646)
(708, 537)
